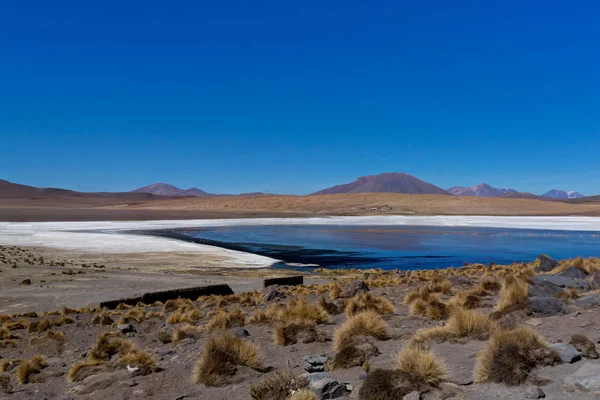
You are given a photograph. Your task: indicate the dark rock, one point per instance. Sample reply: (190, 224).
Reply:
(545, 305)
(568, 353)
(550, 285)
(271, 293)
(545, 264)
(573, 272)
(534, 393)
(589, 301)
(354, 288)
(314, 363)
(239, 331)
(595, 281)
(324, 386)
(586, 378)
(126, 328)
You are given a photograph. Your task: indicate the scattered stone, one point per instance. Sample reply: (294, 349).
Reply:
(568, 353)
(126, 328)
(546, 305)
(324, 386)
(314, 363)
(239, 331)
(586, 378)
(354, 288)
(164, 352)
(534, 393)
(362, 376)
(534, 322)
(545, 264)
(589, 301)
(271, 293)
(412, 396)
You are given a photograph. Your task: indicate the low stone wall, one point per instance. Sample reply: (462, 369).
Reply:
(287, 281)
(187, 293)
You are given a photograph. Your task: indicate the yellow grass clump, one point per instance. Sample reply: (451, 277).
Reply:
(287, 333)
(189, 316)
(513, 293)
(462, 323)
(366, 323)
(368, 301)
(422, 366)
(300, 309)
(30, 367)
(510, 355)
(186, 331)
(227, 319)
(220, 358)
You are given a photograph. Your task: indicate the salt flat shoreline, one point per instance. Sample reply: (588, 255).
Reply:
(118, 237)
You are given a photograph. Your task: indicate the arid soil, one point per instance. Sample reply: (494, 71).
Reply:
(494, 336)
(86, 209)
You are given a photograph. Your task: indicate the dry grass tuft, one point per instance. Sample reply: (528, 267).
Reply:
(16, 325)
(329, 306)
(9, 364)
(466, 300)
(220, 358)
(189, 316)
(28, 368)
(140, 360)
(369, 302)
(513, 293)
(82, 369)
(422, 366)
(278, 386)
(300, 309)
(50, 335)
(568, 294)
(584, 345)
(109, 344)
(385, 384)
(102, 319)
(510, 355)
(366, 323)
(304, 330)
(462, 323)
(186, 331)
(227, 319)
(335, 291)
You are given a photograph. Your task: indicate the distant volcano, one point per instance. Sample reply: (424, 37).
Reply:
(390, 182)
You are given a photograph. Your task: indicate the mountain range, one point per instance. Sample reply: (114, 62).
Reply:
(561, 194)
(482, 190)
(164, 189)
(390, 182)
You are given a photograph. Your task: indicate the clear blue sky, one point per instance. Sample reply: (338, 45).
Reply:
(292, 97)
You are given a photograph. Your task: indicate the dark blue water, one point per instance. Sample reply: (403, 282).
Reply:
(393, 247)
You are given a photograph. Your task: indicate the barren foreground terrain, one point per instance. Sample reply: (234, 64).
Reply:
(523, 331)
(88, 209)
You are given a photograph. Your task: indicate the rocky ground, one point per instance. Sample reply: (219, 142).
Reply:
(475, 332)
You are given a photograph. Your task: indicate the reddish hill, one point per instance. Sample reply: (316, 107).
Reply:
(390, 182)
